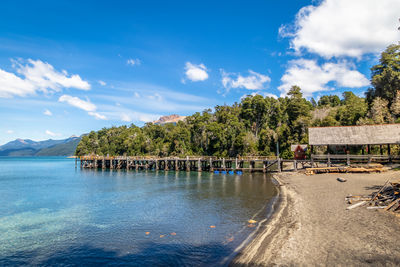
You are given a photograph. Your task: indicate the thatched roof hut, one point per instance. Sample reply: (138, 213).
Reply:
(355, 135)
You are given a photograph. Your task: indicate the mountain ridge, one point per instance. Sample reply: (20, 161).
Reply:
(49, 147)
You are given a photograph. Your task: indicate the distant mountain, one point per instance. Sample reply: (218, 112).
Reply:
(65, 149)
(27, 147)
(174, 118)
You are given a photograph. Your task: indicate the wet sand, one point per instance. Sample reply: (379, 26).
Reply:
(311, 225)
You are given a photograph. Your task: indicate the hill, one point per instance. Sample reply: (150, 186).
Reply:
(27, 147)
(66, 149)
(174, 118)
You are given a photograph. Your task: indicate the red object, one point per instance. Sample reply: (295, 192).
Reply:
(299, 153)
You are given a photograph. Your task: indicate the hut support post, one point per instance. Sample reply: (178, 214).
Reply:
(279, 165)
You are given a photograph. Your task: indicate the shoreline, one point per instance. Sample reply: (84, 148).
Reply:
(311, 226)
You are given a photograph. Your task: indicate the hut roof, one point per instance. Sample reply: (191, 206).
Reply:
(355, 135)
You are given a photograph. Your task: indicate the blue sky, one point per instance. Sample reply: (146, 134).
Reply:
(69, 67)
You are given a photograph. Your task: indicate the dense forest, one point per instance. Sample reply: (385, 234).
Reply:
(257, 124)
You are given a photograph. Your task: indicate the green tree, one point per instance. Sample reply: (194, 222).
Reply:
(352, 109)
(379, 112)
(386, 75)
(395, 108)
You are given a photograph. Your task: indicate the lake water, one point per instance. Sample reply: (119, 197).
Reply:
(54, 214)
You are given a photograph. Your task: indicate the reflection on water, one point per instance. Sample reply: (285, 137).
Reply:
(53, 214)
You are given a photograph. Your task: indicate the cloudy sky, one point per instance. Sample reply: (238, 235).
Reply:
(68, 67)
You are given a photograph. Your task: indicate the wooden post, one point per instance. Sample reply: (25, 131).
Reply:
(199, 165)
(264, 166)
(176, 165)
(348, 159)
(111, 164)
(166, 165)
(295, 165)
(127, 163)
(223, 163)
(329, 160)
(103, 163)
(211, 165)
(236, 162)
(279, 165)
(369, 149)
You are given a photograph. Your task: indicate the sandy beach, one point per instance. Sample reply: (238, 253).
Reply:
(311, 225)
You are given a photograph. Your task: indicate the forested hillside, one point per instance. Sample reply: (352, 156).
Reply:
(256, 124)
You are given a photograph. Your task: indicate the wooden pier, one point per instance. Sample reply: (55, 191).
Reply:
(235, 165)
(199, 164)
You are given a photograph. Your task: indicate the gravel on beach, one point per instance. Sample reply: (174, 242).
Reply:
(311, 225)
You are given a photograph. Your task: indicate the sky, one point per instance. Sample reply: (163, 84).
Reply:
(70, 67)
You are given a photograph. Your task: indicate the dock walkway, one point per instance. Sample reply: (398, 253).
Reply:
(214, 164)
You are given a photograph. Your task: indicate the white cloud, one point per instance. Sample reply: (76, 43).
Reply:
(311, 77)
(47, 112)
(97, 115)
(125, 117)
(133, 62)
(196, 73)
(78, 103)
(35, 76)
(52, 133)
(9, 131)
(254, 81)
(102, 83)
(152, 99)
(11, 85)
(155, 97)
(352, 28)
(82, 104)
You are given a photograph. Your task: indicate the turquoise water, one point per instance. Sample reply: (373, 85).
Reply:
(54, 214)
